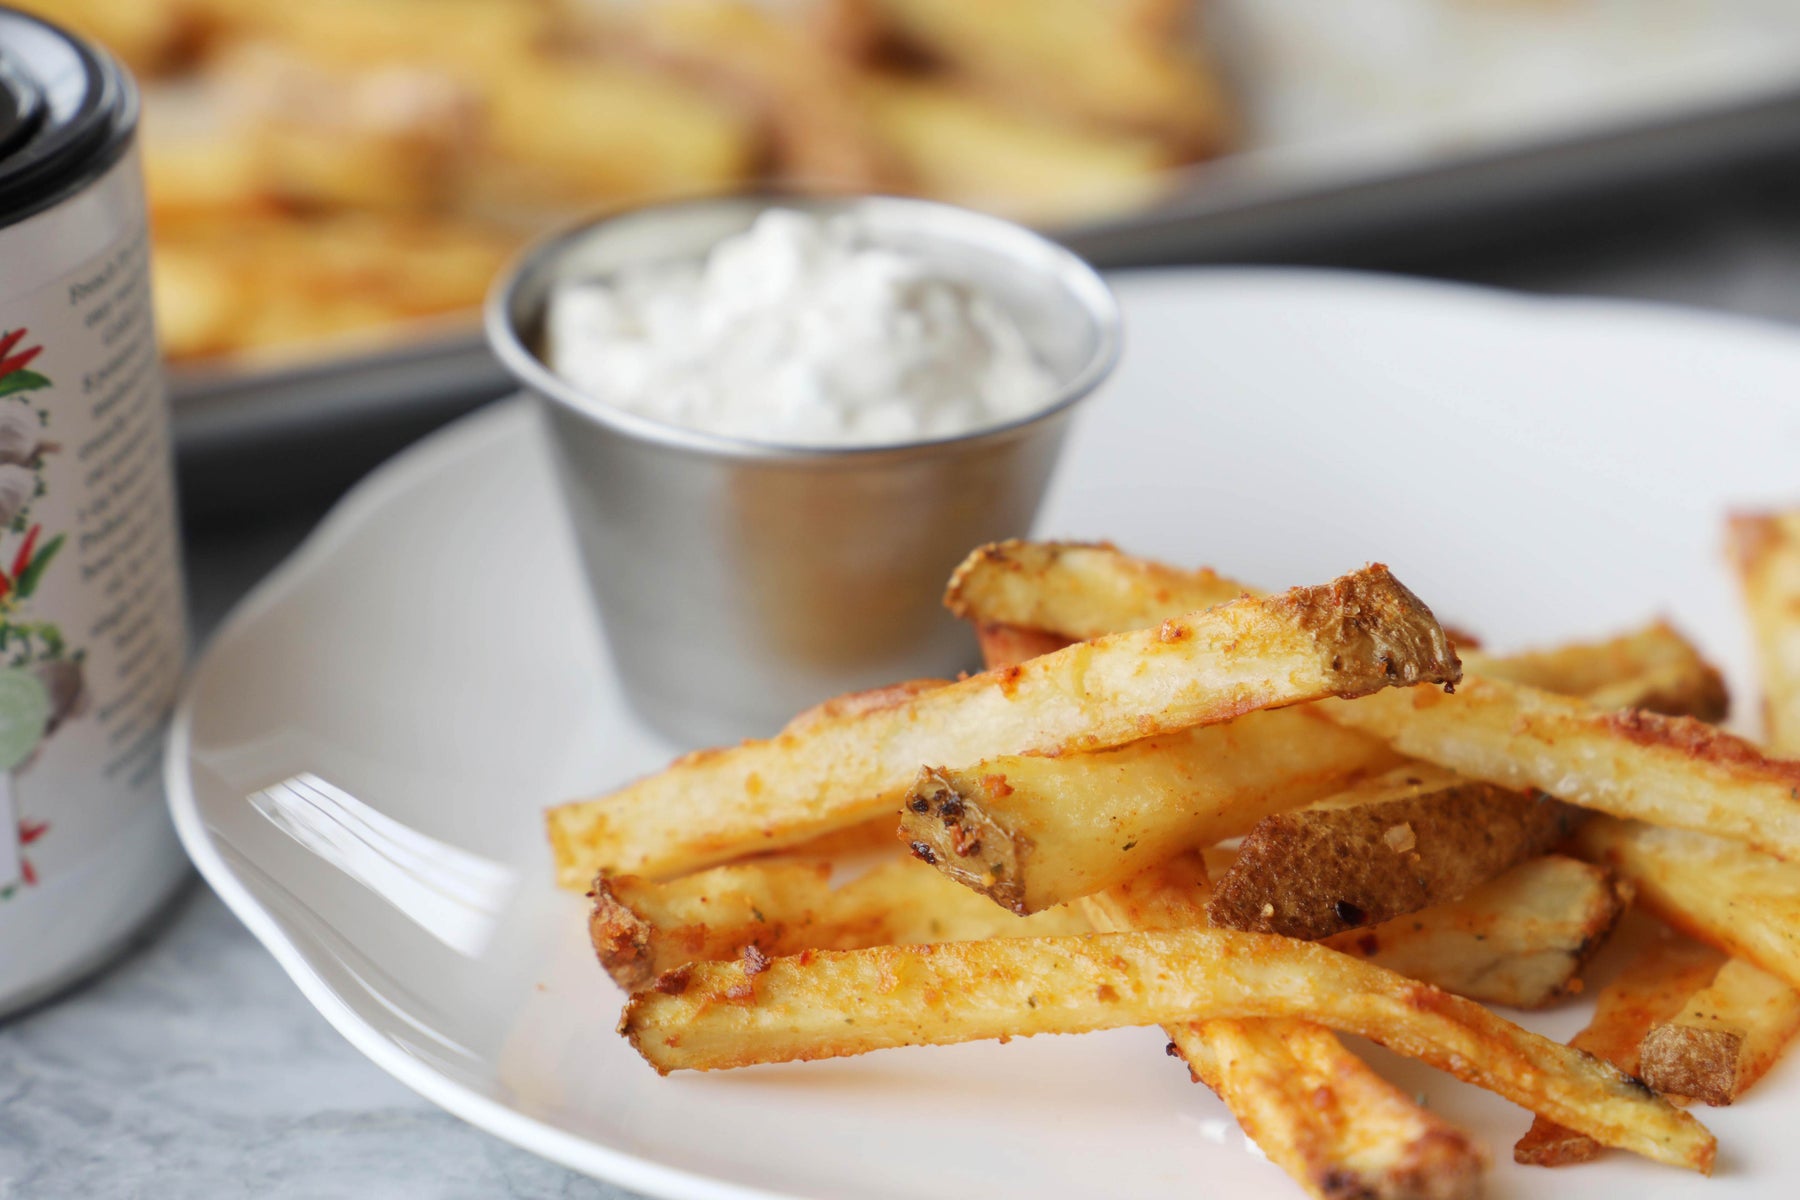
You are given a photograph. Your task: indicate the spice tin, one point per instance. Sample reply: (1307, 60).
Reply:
(92, 625)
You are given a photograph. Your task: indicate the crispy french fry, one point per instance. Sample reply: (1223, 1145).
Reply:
(1039, 591)
(1718, 891)
(1360, 632)
(1077, 590)
(1725, 1038)
(1031, 832)
(1672, 771)
(1519, 940)
(1313, 1107)
(1766, 550)
(1658, 982)
(642, 929)
(828, 1004)
(1388, 846)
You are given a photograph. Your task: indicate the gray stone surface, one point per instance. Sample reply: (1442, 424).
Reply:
(192, 1068)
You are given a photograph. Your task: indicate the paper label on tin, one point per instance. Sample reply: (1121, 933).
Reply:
(92, 621)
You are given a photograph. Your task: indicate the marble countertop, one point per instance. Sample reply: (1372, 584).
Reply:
(192, 1067)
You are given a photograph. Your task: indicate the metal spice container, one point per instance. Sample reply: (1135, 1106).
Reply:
(92, 624)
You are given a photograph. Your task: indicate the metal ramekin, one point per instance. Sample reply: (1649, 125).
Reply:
(738, 581)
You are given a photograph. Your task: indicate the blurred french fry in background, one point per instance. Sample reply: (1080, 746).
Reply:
(1060, 112)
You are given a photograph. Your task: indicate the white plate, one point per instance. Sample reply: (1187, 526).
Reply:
(1537, 470)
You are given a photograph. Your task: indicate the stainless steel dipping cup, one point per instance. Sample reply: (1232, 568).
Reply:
(740, 582)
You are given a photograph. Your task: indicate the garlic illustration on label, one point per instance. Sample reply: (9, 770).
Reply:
(41, 679)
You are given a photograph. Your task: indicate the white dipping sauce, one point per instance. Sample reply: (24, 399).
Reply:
(799, 330)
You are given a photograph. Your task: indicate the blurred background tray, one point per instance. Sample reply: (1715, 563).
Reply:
(1364, 132)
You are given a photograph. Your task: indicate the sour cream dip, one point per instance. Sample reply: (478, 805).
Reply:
(801, 330)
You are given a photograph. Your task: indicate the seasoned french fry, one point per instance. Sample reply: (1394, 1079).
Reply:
(1520, 940)
(1672, 771)
(1658, 982)
(1039, 591)
(717, 1015)
(1077, 590)
(1718, 891)
(642, 929)
(1313, 1107)
(1092, 62)
(1766, 549)
(1031, 832)
(1388, 846)
(1361, 632)
(1725, 1038)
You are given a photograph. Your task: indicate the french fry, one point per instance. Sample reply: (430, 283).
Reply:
(1520, 940)
(1672, 771)
(1031, 832)
(1712, 889)
(1766, 550)
(785, 68)
(1077, 590)
(1021, 596)
(1725, 1038)
(1313, 1107)
(1658, 982)
(641, 929)
(1388, 846)
(956, 144)
(1361, 632)
(826, 1004)
(1091, 62)
(593, 129)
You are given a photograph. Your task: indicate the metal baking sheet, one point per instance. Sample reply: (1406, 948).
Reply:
(1362, 119)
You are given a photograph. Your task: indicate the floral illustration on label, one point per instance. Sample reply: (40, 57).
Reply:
(42, 683)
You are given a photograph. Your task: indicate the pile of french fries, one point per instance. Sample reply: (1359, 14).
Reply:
(333, 166)
(1251, 820)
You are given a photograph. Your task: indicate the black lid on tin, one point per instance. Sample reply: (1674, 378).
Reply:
(67, 112)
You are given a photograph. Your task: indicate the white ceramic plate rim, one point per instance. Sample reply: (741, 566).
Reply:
(396, 477)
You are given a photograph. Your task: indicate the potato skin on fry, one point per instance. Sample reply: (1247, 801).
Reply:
(1725, 1038)
(1317, 1110)
(825, 1005)
(1406, 840)
(1672, 771)
(1664, 973)
(1520, 940)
